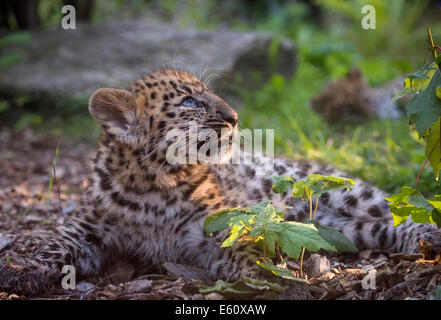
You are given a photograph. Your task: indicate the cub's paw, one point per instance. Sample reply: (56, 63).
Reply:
(22, 279)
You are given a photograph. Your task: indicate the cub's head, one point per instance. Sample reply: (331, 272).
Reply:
(143, 116)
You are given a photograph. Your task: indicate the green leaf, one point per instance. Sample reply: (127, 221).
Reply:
(425, 107)
(321, 184)
(418, 200)
(301, 190)
(16, 38)
(315, 185)
(236, 232)
(410, 203)
(417, 82)
(438, 92)
(283, 184)
(335, 238)
(278, 271)
(433, 148)
(9, 59)
(260, 208)
(239, 226)
(296, 235)
(436, 213)
(245, 288)
(220, 220)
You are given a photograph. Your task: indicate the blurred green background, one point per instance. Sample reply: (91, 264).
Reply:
(329, 40)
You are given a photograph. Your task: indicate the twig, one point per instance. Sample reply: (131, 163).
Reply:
(59, 193)
(431, 43)
(316, 206)
(301, 262)
(419, 173)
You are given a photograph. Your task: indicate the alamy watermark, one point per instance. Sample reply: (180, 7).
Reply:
(368, 22)
(69, 20)
(369, 281)
(69, 281)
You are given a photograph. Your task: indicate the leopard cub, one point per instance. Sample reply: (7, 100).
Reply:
(140, 206)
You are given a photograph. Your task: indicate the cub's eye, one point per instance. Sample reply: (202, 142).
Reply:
(189, 103)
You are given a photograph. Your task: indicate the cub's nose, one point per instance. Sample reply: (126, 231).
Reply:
(228, 114)
(232, 118)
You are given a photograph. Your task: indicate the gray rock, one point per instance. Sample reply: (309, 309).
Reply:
(320, 264)
(4, 242)
(74, 63)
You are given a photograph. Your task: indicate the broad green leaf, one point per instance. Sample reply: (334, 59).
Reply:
(420, 79)
(315, 185)
(260, 207)
(269, 233)
(399, 219)
(335, 238)
(245, 288)
(425, 107)
(433, 148)
(418, 200)
(438, 92)
(436, 213)
(236, 232)
(301, 190)
(410, 203)
(280, 272)
(220, 220)
(402, 196)
(420, 215)
(417, 82)
(283, 184)
(239, 226)
(321, 184)
(296, 235)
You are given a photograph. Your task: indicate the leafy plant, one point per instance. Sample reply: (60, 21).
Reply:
(263, 224)
(424, 112)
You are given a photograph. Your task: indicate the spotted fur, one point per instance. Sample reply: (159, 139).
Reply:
(138, 206)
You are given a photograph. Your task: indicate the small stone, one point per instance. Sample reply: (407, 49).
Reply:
(214, 296)
(84, 286)
(4, 242)
(320, 264)
(365, 254)
(138, 286)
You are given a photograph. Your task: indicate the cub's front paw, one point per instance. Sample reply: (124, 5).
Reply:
(23, 280)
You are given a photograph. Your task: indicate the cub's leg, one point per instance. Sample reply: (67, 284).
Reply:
(364, 217)
(78, 243)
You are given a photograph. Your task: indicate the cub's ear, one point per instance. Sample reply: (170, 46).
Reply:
(115, 111)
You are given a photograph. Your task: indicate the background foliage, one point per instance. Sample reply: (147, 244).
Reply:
(330, 41)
